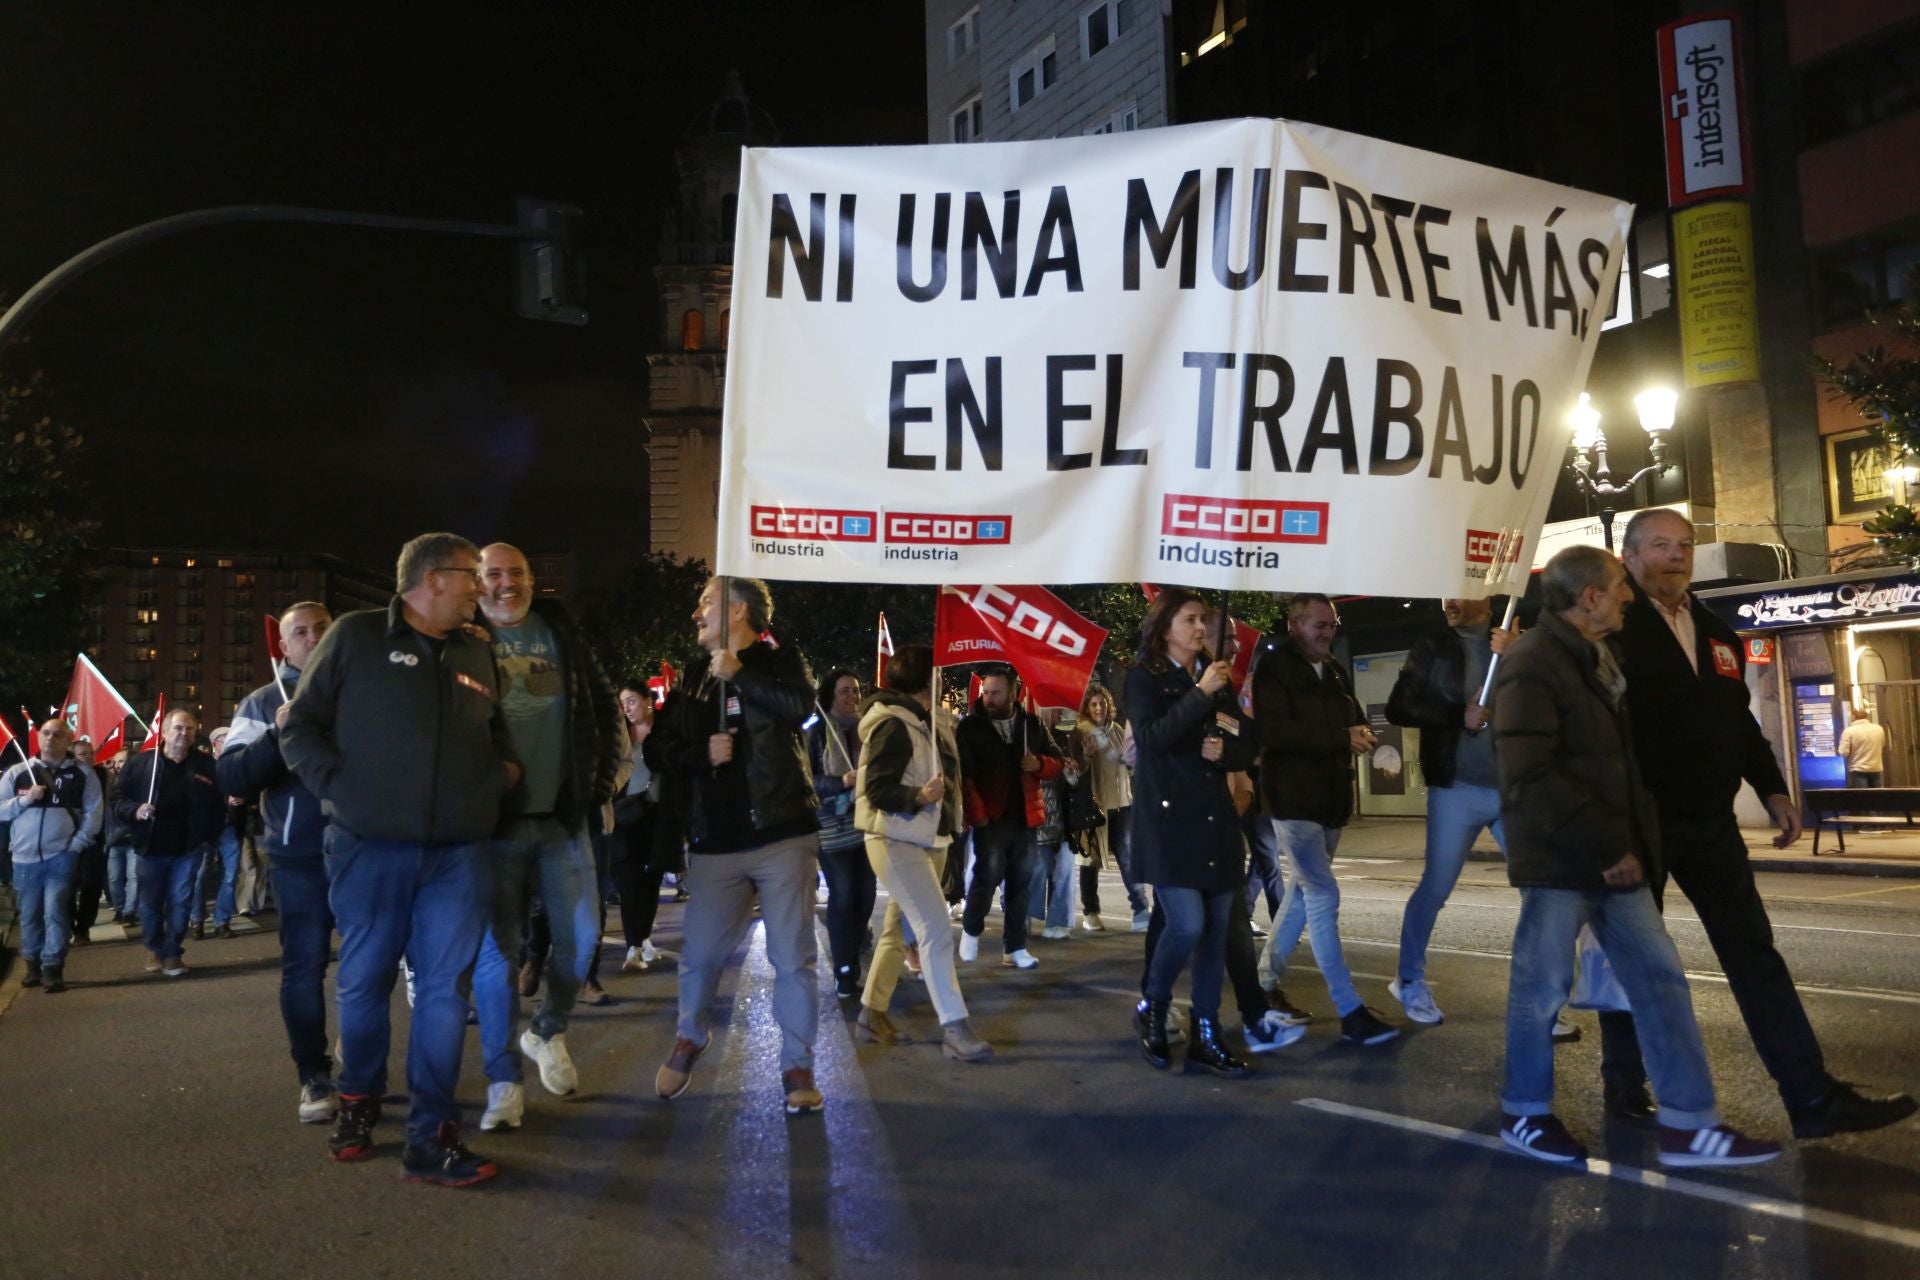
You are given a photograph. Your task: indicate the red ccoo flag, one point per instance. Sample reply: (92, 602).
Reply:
(275, 654)
(1051, 647)
(159, 717)
(33, 731)
(882, 650)
(95, 708)
(7, 739)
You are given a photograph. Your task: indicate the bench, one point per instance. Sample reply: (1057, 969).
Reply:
(1841, 807)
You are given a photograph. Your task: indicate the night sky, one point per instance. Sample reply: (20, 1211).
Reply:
(320, 389)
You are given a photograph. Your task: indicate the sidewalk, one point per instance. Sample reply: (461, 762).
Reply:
(1895, 854)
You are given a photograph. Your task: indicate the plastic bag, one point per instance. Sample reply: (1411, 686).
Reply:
(1594, 984)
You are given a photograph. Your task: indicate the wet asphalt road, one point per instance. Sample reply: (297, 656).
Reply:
(147, 1128)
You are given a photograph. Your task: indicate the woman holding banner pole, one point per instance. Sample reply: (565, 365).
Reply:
(1189, 734)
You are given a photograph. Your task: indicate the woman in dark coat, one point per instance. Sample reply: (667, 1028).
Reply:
(1189, 733)
(646, 840)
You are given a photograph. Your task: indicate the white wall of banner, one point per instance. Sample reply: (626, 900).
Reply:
(1252, 354)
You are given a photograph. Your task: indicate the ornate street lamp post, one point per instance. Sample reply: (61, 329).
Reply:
(1589, 464)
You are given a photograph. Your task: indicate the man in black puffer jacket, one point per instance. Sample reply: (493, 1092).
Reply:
(730, 738)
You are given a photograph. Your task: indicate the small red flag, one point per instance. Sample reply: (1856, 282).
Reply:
(275, 654)
(974, 682)
(159, 717)
(882, 650)
(6, 738)
(33, 732)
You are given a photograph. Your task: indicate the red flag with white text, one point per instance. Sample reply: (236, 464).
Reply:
(94, 708)
(1034, 631)
(33, 732)
(159, 717)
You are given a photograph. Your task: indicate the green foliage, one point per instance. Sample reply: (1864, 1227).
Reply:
(45, 537)
(648, 617)
(1884, 387)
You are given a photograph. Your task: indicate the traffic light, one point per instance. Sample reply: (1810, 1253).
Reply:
(551, 284)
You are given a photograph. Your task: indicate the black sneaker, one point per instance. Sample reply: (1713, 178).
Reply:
(353, 1129)
(1844, 1110)
(1714, 1147)
(445, 1161)
(56, 979)
(33, 974)
(1278, 1002)
(846, 982)
(1363, 1026)
(1542, 1137)
(224, 931)
(1631, 1104)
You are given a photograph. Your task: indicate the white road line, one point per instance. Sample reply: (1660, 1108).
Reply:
(1694, 975)
(1730, 1196)
(1514, 908)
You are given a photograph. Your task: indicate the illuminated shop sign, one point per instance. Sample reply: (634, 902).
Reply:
(1825, 604)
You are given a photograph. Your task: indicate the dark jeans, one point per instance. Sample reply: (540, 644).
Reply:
(1863, 777)
(1263, 863)
(89, 882)
(1243, 959)
(602, 876)
(850, 894)
(953, 876)
(1708, 860)
(166, 894)
(306, 947)
(1196, 930)
(1003, 852)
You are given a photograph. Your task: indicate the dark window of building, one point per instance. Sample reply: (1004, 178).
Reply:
(1874, 80)
(729, 214)
(1853, 279)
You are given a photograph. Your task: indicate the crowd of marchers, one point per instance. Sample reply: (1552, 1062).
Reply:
(455, 787)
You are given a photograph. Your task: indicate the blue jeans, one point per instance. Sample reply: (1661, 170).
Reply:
(44, 891)
(1005, 853)
(427, 902)
(166, 896)
(1312, 904)
(123, 879)
(1196, 929)
(534, 855)
(1648, 965)
(1455, 817)
(226, 856)
(306, 946)
(1050, 890)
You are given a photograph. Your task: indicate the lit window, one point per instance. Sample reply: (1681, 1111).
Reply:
(964, 124)
(1101, 25)
(1033, 75)
(963, 35)
(226, 564)
(692, 329)
(191, 562)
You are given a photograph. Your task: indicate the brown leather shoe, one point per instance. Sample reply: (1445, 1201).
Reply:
(961, 1045)
(802, 1098)
(530, 978)
(673, 1078)
(876, 1027)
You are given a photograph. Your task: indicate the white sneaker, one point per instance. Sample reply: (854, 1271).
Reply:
(1564, 1032)
(649, 954)
(550, 1055)
(633, 963)
(506, 1107)
(820, 896)
(1055, 932)
(957, 910)
(1417, 999)
(1092, 924)
(1021, 959)
(969, 947)
(1273, 1032)
(318, 1102)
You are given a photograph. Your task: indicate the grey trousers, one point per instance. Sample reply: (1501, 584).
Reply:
(911, 875)
(720, 910)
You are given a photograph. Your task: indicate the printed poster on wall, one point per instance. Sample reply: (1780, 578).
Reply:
(1252, 354)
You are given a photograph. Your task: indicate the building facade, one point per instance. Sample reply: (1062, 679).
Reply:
(191, 624)
(1008, 70)
(686, 379)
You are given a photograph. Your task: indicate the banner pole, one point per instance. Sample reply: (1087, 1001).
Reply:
(726, 639)
(827, 727)
(1493, 665)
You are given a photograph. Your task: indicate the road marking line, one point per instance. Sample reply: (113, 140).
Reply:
(1693, 975)
(1868, 893)
(1730, 1196)
(1514, 908)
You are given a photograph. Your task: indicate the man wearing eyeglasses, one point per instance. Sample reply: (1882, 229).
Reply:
(398, 728)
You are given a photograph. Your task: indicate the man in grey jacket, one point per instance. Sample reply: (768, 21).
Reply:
(53, 804)
(1581, 834)
(397, 727)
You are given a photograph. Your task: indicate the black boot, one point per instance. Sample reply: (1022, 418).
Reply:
(1205, 1050)
(56, 979)
(1150, 1020)
(33, 974)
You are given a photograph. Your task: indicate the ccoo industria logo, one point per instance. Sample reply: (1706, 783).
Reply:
(1490, 552)
(1189, 515)
(813, 524)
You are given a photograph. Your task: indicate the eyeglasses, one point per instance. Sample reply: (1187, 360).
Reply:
(448, 568)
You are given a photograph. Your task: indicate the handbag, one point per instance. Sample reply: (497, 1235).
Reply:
(1083, 810)
(1595, 986)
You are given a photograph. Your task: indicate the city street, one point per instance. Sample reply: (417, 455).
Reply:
(149, 1127)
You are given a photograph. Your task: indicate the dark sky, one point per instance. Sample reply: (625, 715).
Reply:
(338, 390)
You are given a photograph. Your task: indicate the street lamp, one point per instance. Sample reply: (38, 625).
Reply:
(1589, 465)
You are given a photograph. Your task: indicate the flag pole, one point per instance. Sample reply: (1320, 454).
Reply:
(1493, 663)
(826, 727)
(726, 638)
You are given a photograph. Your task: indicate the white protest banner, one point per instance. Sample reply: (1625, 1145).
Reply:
(1253, 354)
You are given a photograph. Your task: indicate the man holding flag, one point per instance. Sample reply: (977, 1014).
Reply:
(53, 805)
(1004, 757)
(251, 764)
